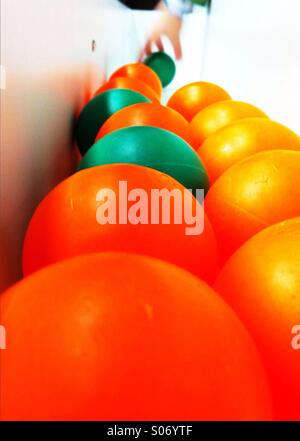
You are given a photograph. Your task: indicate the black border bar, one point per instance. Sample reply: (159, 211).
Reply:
(150, 430)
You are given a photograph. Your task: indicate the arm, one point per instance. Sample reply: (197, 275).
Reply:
(169, 25)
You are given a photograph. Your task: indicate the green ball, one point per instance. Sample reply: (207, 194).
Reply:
(201, 2)
(151, 147)
(163, 65)
(98, 110)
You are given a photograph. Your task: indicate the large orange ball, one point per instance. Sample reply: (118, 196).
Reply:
(132, 84)
(243, 138)
(218, 115)
(261, 282)
(67, 222)
(259, 191)
(148, 115)
(125, 337)
(140, 72)
(190, 99)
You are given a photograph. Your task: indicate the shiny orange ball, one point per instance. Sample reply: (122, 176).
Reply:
(243, 138)
(219, 115)
(101, 209)
(261, 281)
(132, 84)
(141, 72)
(124, 337)
(257, 192)
(149, 114)
(193, 97)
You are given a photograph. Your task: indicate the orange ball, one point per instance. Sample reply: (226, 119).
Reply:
(66, 223)
(261, 282)
(219, 115)
(259, 191)
(132, 84)
(243, 138)
(123, 337)
(139, 71)
(148, 115)
(190, 99)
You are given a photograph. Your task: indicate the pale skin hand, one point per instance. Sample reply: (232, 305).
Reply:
(168, 25)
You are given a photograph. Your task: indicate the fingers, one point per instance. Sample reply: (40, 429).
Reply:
(154, 41)
(159, 44)
(177, 48)
(147, 49)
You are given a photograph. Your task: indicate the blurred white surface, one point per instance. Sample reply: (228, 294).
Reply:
(253, 51)
(50, 71)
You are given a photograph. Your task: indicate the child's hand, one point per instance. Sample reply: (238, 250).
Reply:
(170, 26)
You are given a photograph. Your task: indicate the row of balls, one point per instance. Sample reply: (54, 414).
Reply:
(142, 322)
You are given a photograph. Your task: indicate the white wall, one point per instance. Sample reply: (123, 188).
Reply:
(253, 50)
(50, 70)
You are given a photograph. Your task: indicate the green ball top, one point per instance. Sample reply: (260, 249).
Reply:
(150, 147)
(201, 2)
(163, 65)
